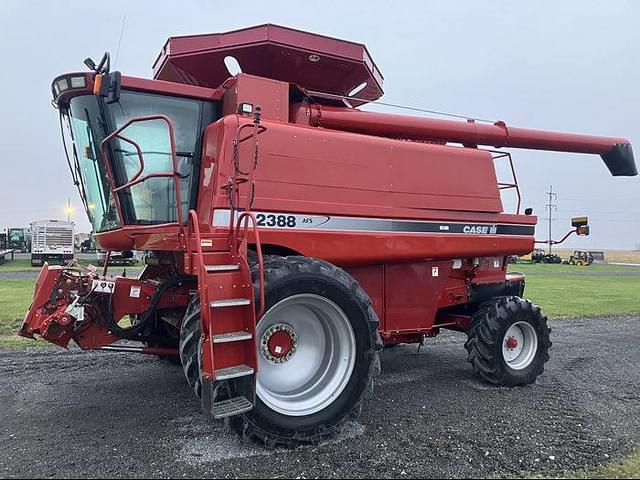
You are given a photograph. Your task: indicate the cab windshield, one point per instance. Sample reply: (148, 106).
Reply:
(88, 129)
(152, 201)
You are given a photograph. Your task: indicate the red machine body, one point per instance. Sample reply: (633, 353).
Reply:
(281, 163)
(381, 195)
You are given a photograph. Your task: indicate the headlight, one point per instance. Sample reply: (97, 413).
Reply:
(67, 83)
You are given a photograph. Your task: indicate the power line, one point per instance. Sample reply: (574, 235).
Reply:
(551, 206)
(614, 212)
(599, 220)
(582, 199)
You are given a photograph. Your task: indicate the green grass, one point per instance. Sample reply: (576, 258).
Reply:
(15, 298)
(562, 270)
(564, 291)
(628, 467)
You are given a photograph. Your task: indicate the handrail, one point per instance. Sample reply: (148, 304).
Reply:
(193, 220)
(135, 180)
(135, 177)
(237, 232)
(495, 155)
(238, 176)
(236, 246)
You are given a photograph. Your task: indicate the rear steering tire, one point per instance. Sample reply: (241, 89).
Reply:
(508, 342)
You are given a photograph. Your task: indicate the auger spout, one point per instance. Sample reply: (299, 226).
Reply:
(616, 153)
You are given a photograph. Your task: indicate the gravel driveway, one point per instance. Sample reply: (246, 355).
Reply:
(108, 414)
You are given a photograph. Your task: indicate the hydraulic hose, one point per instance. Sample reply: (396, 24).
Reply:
(105, 316)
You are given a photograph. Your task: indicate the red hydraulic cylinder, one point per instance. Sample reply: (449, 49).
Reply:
(616, 152)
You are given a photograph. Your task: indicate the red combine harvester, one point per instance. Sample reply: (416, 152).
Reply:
(289, 235)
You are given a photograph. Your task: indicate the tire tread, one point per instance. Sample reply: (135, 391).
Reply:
(277, 268)
(484, 341)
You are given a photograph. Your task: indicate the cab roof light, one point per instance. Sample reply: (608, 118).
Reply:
(62, 85)
(68, 83)
(78, 82)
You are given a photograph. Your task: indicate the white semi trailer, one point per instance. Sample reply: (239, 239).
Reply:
(51, 240)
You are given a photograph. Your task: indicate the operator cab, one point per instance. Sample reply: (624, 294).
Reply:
(125, 134)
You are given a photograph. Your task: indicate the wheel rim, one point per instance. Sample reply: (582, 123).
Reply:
(304, 373)
(519, 345)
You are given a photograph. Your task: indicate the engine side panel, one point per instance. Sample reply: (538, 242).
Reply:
(360, 184)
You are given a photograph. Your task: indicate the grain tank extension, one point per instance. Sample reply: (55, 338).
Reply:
(289, 235)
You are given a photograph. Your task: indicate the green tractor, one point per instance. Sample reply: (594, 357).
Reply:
(539, 256)
(18, 239)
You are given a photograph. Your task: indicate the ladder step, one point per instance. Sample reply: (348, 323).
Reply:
(230, 407)
(232, 337)
(230, 302)
(222, 268)
(233, 372)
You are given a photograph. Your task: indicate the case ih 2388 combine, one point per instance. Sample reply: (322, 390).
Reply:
(290, 235)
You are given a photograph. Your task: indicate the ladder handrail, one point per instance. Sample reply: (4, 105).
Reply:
(193, 230)
(239, 176)
(236, 246)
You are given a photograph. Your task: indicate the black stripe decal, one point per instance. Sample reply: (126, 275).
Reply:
(290, 221)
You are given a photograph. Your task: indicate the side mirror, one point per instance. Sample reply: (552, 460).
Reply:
(579, 221)
(581, 224)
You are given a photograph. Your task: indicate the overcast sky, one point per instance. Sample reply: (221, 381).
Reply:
(560, 65)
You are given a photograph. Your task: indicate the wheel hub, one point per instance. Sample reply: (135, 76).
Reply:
(279, 343)
(310, 374)
(519, 345)
(511, 342)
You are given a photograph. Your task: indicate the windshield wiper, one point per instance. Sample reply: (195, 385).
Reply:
(94, 161)
(75, 170)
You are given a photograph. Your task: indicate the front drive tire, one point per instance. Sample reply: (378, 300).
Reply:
(189, 346)
(331, 303)
(323, 304)
(508, 342)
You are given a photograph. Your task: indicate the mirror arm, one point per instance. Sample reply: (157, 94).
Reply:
(555, 242)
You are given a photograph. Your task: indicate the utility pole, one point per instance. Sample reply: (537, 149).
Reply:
(68, 208)
(551, 206)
